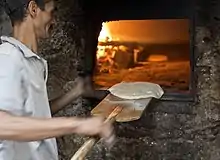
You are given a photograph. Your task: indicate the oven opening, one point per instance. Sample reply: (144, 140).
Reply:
(155, 51)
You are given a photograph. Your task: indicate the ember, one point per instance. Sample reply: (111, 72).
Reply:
(157, 58)
(162, 58)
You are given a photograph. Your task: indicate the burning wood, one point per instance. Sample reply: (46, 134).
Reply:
(108, 58)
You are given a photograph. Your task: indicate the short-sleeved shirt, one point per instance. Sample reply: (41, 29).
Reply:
(23, 92)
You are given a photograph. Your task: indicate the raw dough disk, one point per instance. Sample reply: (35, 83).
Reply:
(136, 90)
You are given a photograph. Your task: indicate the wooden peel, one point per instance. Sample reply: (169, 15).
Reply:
(132, 110)
(117, 109)
(86, 147)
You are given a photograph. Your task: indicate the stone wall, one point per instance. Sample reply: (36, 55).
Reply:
(5, 25)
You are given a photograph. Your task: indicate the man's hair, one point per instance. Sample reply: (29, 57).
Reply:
(17, 9)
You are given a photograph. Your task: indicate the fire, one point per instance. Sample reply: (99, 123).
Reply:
(105, 53)
(104, 36)
(105, 33)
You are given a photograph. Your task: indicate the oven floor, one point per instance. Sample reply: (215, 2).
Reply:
(173, 76)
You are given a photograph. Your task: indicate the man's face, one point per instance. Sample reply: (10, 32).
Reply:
(44, 20)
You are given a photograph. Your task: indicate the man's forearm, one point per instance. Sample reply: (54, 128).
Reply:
(59, 103)
(31, 129)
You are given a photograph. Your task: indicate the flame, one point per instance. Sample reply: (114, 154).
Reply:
(105, 34)
(105, 53)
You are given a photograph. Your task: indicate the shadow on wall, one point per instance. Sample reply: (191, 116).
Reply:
(5, 24)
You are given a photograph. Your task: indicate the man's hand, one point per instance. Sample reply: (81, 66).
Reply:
(79, 86)
(82, 86)
(97, 126)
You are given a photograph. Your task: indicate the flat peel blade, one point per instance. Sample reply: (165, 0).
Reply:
(132, 109)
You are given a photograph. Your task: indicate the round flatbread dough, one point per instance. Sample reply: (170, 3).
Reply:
(136, 90)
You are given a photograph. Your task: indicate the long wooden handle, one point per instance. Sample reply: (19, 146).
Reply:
(86, 147)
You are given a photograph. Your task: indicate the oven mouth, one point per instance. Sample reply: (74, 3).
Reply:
(170, 65)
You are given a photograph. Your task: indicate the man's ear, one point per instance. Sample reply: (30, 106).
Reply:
(32, 8)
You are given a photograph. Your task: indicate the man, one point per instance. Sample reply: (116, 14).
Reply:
(27, 130)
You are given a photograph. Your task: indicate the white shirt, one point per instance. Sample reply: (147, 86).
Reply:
(23, 92)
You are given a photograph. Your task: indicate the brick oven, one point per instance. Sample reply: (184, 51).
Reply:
(185, 123)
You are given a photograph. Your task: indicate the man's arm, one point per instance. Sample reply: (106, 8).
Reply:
(32, 129)
(82, 87)
(59, 103)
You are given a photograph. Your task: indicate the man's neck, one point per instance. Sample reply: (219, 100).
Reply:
(24, 33)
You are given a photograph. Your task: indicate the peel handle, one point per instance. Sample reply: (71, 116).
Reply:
(86, 147)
